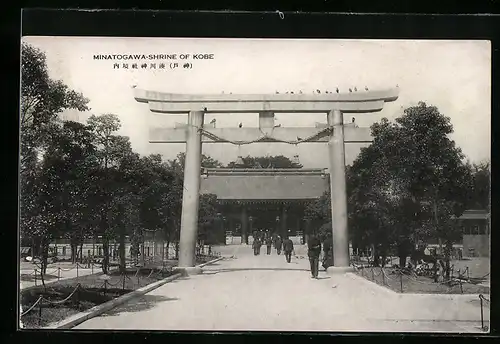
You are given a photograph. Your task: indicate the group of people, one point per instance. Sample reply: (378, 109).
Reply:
(276, 241)
(286, 245)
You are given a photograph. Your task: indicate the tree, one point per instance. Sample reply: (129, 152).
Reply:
(113, 151)
(407, 185)
(207, 215)
(42, 99)
(72, 155)
(414, 165)
(206, 161)
(319, 211)
(278, 161)
(480, 193)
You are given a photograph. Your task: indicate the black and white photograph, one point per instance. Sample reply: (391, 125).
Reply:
(244, 184)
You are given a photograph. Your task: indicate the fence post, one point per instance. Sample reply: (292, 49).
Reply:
(40, 313)
(92, 264)
(482, 320)
(373, 275)
(105, 286)
(76, 269)
(401, 280)
(383, 277)
(138, 278)
(58, 273)
(123, 283)
(467, 269)
(35, 277)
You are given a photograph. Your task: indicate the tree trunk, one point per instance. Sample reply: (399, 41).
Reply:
(376, 258)
(44, 260)
(74, 249)
(123, 265)
(105, 261)
(448, 249)
(402, 260)
(383, 255)
(81, 252)
(167, 249)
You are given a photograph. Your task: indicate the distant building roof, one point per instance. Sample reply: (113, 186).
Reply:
(475, 214)
(265, 184)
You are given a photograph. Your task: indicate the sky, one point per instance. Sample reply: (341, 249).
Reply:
(455, 76)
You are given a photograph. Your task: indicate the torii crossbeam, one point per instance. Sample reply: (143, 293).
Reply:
(334, 105)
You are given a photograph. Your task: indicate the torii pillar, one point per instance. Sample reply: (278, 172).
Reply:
(338, 193)
(191, 193)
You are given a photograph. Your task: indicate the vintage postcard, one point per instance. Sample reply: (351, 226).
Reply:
(255, 184)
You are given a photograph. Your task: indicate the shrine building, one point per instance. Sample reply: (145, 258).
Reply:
(262, 199)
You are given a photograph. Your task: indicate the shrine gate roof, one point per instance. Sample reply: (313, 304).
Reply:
(265, 184)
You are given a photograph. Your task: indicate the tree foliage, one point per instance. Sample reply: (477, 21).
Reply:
(278, 161)
(42, 100)
(408, 185)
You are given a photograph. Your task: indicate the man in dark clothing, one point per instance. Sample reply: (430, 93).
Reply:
(269, 244)
(279, 244)
(288, 248)
(256, 247)
(328, 252)
(314, 250)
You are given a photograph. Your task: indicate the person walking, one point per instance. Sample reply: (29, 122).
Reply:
(328, 252)
(256, 246)
(288, 249)
(279, 245)
(314, 250)
(269, 244)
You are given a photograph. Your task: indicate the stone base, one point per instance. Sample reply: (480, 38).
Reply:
(187, 271)
(339, 270)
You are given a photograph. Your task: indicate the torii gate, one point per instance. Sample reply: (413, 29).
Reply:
(195, 133)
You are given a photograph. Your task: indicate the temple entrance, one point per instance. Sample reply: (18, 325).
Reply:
(333, 105)
(253, 201)
(262, 216)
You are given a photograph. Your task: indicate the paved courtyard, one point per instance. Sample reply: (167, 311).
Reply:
(264, 293)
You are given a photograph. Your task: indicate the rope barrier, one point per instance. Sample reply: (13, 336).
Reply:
(150, 273)
(115, 284)
(481, 296)
(33, 306)
(376, 274)
(50, 273)
(265, 136)
(481, 299)
(68, 269)
(66, 299)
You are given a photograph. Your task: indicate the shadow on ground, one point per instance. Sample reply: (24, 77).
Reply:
(210, 271)
(143, 303)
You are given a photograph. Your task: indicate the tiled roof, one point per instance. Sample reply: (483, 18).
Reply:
(474, 214)
(240, 186)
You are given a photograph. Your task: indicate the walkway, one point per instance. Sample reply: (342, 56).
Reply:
(66, 271)
(265, 293)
